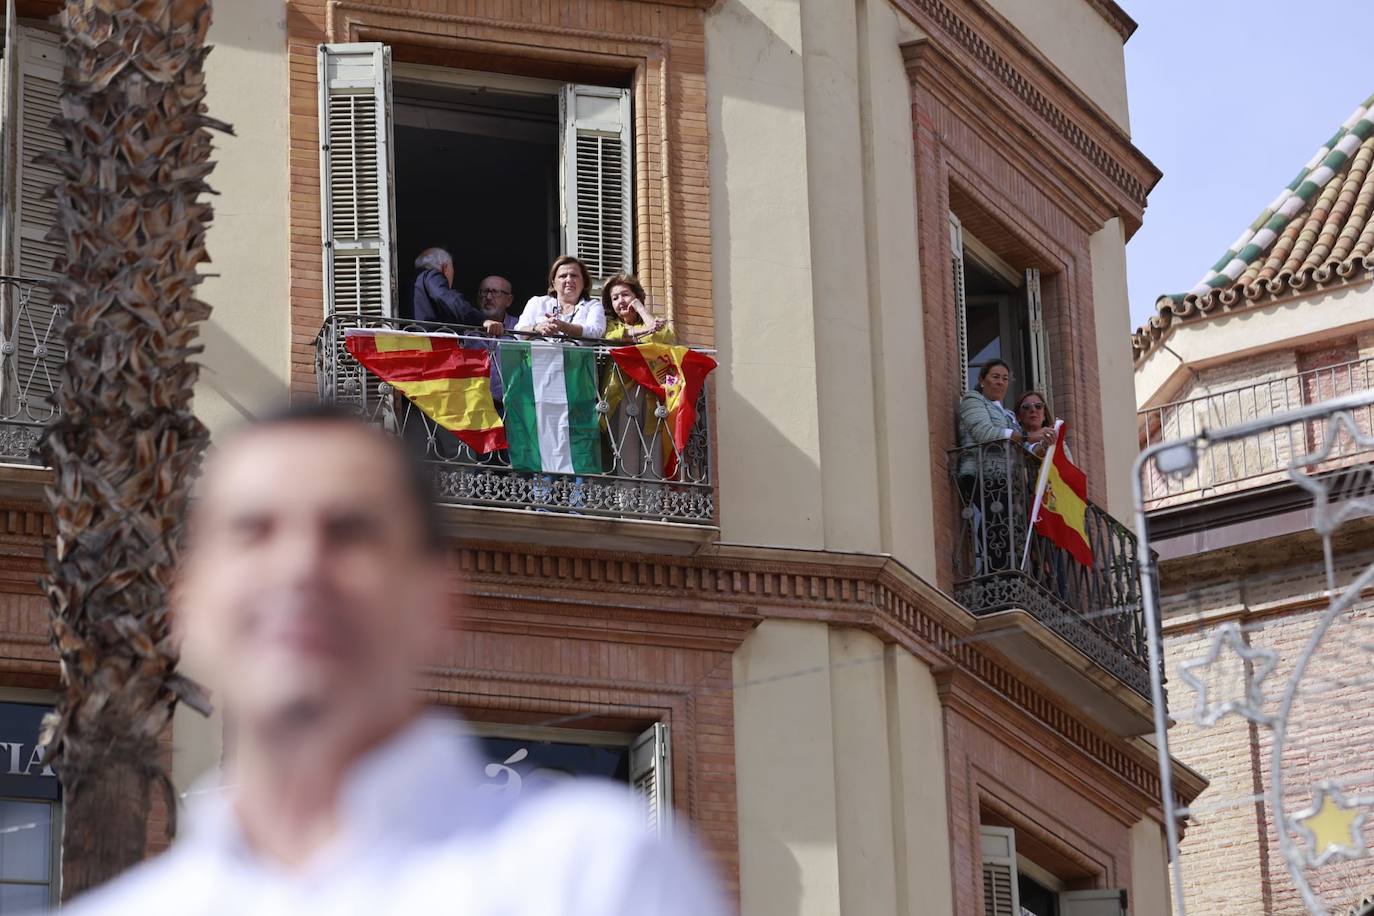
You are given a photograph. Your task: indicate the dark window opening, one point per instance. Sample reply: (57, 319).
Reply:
(997, 325)
(1036, 899)
(477, 175)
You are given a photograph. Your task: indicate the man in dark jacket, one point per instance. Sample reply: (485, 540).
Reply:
(435, 298)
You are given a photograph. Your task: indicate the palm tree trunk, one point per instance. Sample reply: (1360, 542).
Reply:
(126, 444)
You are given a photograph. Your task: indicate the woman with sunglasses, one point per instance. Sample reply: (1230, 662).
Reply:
(1037, 423)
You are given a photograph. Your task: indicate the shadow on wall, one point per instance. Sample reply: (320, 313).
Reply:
(759, 256)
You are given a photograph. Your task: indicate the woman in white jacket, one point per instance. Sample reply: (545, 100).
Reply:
(566, 311)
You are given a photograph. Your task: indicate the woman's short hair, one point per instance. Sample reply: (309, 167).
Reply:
(988, 367)
(581, 268)
(1049, 417)
(624, 278)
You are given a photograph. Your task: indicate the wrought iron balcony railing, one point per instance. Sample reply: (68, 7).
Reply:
(1099, 609)
(1264, 457)
(635, 441)
(31, 356)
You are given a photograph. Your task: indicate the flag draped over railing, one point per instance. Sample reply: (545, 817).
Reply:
(1061, 503)
(674, 375)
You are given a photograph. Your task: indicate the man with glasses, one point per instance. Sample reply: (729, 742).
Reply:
(494, 299)
(435, 299)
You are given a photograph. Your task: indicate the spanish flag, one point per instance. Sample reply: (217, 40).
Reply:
(674, 375)
(1061, 501)
(450, 383)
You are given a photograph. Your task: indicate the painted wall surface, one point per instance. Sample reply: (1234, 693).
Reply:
(832, 716)
(816, 280)
(1078, 41)
(1149, 869)
(245, 363)
(1112, 319)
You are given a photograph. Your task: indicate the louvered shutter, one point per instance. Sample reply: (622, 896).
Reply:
(651, 777)
(595, 178)
(1000, 895)
(357, 211)
(956, 250)
(1039, 340)
(32, 329)
(1093, 903)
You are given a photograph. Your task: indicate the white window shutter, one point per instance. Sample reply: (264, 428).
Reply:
(956, 248)
(1039, 339)
(651, 777)
(356, 194)
(595, 178)
(1102, 902)
(1000, 894)
(33, 329)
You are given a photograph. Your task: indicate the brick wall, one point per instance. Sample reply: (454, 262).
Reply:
(1230, 855)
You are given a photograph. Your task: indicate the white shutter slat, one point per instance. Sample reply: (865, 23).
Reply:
(357, 213)
(596, 178)
(1000, 894)
(956, 245)
(651, 777)
(34, 327)
(1039, 337)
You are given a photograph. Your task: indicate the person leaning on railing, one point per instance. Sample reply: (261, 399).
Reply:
(623, 297)
(1037, 423)
(983, 466)
(565, 312)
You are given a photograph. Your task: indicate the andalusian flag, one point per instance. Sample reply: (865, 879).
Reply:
(450, 383)
(674, 375)
(550, 403)
(1061, 502)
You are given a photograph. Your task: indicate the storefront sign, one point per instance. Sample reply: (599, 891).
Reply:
(22, 771)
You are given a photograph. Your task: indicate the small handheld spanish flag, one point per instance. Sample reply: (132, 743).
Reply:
(449, 382)
(1061, 501)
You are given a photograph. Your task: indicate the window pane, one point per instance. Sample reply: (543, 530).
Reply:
(25, 841)
(23, 898)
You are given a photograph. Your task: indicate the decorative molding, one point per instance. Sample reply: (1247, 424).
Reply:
(971, 51)
(867, 592)
(1116, 17)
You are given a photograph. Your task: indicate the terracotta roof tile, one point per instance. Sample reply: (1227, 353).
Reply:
(1326, 240)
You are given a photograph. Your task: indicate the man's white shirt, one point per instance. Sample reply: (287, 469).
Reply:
(419, 836)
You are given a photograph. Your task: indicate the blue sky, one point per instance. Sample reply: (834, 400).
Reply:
(1230, 98)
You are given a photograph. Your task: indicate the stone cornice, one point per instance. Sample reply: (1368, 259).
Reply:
(739, 584)
(1116, 17)
(989, 55)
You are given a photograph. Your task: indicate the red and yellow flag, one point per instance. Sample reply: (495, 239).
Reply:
(674, 375)
(449, 382)
(1062, 501)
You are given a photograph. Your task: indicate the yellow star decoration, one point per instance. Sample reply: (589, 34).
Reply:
(1332, 827)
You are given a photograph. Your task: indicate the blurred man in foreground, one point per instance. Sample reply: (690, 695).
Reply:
(313, 593)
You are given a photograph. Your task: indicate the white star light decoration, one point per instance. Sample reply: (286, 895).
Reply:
(1249, 705)
(1332, 827)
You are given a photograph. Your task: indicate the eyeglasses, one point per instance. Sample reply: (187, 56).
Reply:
(493, 292)
(1032, 405)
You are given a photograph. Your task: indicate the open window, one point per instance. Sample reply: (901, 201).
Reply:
(503, 172)
(1000, 314)
(30, 332)
(1015, 886)
(518, 758)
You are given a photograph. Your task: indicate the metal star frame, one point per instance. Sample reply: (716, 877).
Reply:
(1336, 818)
(1263, 660)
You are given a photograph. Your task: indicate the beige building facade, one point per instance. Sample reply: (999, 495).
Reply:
(849, 205)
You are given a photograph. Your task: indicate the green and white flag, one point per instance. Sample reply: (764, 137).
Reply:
(551, 419)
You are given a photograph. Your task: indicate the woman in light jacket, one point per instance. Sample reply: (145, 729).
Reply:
(565, 312)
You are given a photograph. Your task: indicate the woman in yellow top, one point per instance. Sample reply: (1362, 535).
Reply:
(628, 319)
(629, 418)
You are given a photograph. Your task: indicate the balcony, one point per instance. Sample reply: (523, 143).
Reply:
(1080, 628)
(633, 502)
(1260, 461)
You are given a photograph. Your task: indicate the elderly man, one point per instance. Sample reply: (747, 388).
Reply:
(494, 299)
(435, 299)
(314, 593)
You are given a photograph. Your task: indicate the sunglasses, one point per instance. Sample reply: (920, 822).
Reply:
(1032, 405)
